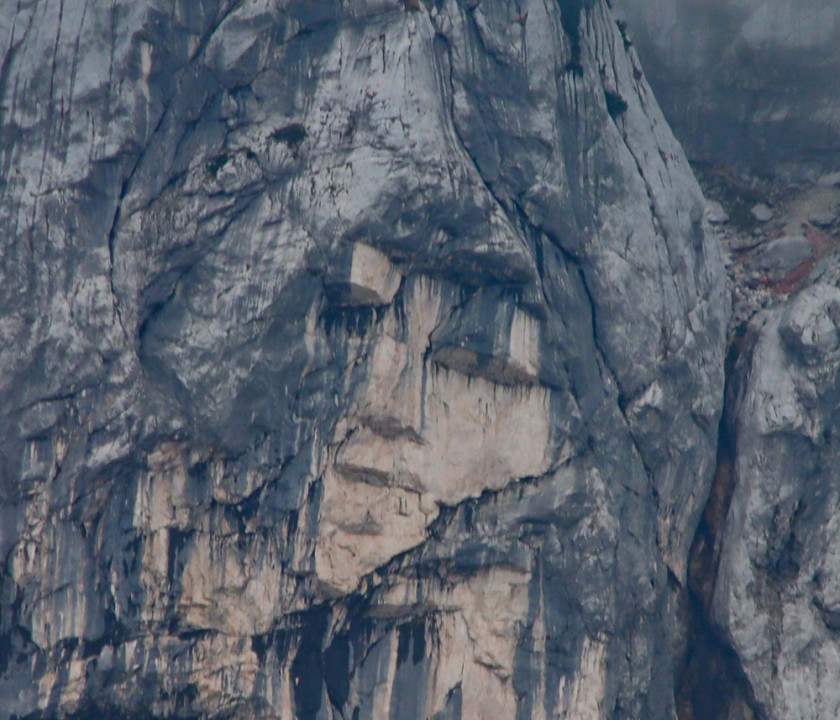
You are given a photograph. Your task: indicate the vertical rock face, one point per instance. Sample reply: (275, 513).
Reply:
(746, 82)
(761, 632)
(776, 594)
(360, 360)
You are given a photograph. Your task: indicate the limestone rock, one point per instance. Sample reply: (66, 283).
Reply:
(369, 278)
(781, 256)
(360, 359)
(761, 213)
(824, 219)
(830, 180)
(776, 595)
(716, 214)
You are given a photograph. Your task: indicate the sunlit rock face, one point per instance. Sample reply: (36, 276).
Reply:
(752, 83)
(360, 360)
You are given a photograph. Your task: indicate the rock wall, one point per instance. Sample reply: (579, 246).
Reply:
(751, 83)
(758, 637)
(774, 595)
(360, 360)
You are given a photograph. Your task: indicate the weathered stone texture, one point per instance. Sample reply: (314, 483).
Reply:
(360, 360)
(776, 592)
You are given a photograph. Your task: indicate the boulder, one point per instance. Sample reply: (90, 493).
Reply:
(780, 256)
(761, 212)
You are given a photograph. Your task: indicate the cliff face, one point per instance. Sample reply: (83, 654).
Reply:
(746, 82)
(765, 561)
(777, 595)
(360, 360)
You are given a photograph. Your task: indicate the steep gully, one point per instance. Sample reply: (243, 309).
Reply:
(710, 683)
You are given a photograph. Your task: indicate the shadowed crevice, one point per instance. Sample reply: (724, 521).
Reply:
(710, 683)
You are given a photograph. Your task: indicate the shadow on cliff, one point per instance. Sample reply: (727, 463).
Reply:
(710, 683)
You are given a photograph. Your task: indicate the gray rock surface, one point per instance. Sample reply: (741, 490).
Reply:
(716, 214)
(745, 82)
(762, 626)
(776, 595)
(359, 360)
(776, 258)
(829, 180)
(825, 219)
(761, 213)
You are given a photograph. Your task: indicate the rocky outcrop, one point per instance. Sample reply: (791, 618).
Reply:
(745, 82)
(361, 360)
(758, 638)
(774, 597)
